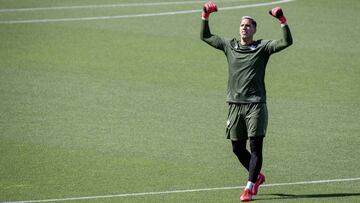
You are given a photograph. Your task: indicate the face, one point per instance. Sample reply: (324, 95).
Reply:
(247, 29)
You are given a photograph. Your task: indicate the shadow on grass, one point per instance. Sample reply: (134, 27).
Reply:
(291, 196)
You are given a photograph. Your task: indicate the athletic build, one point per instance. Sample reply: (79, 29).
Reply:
(246, 93)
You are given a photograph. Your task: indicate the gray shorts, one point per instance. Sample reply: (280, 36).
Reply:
(246, 120)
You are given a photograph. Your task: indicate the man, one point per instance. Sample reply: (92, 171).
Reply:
(246, 94)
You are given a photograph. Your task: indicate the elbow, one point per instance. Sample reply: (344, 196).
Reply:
(289, 41)
(204, 37)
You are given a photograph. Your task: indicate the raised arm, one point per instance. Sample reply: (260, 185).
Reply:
(286, 40)
(205, 33)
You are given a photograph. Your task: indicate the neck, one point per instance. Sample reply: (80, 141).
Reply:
(246, 41)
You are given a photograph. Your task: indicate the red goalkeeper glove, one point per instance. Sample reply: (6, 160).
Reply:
(208, 8)
(278, 13)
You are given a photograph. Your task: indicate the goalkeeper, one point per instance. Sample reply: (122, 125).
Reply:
(246, 95)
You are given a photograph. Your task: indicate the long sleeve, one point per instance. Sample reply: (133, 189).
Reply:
(284, 42)
(212, 40)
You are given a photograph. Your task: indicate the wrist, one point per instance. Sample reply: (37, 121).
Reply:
(204, 15)
(282, 20)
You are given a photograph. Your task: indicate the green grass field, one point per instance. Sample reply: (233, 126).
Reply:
(136, 105)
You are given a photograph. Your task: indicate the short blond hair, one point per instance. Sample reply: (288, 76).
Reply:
(253, 21)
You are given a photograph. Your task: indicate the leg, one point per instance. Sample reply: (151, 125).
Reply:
(239, 149)
(256, 121)
(256, 146)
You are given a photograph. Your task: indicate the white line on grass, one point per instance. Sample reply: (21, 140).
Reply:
(137, 15)
(109, 6)
(182, 191)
